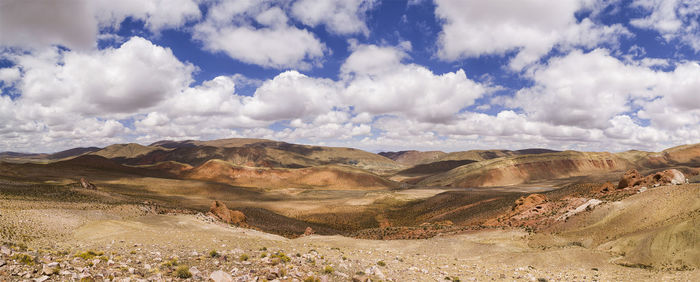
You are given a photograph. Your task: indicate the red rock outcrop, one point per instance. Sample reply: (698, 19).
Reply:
(234, 217)
(632, 178)
(607, 187)
(86, 184)
(526, 203)
(309, 231)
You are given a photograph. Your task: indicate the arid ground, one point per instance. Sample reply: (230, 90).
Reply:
(341, 214)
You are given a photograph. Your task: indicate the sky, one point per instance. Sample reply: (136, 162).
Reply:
(379, 75)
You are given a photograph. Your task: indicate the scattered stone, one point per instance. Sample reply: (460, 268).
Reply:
(41, 279)
(46, 269)
(220, 276)
(5, 251)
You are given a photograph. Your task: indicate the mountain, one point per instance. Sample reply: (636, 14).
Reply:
(246, 152)
(331, 177)
(413, 157)
(73, 152)
(521, 169)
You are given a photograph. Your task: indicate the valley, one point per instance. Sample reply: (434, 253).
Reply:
(498, 214)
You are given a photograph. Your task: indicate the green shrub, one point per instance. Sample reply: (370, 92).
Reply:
(282, 256)
(214, 254)
(89, 255)
(183, 272)
(24, 259)
(381, 263)
(244, 257)
(328, 269)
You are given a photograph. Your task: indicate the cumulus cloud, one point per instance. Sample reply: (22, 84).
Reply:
(379, 83)
(529, 28)
(258, 33)
(76, 23)
(338, 16)
(672, 19)
(584, 89)
(122, 80)
(40, 23)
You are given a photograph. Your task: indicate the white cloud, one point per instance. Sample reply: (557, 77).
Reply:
(156, 14)
(122, 80)
(75, 23)
(41, 23)
(530, 28)
(273, 43)
(339, 16)
(672, 19)
(378, 83)
(583, 89)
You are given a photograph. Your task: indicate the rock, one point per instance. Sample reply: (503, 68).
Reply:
(41, 279)
(308, 231)
(605, 188)
(631, 178)
(526, 203)
(5, 250)
(86, 184)
(220, 276)
(195, 272)
(374, 270)
(220, 210)
(46, 269)
(587, 205)
(2, 263)
(642, 190)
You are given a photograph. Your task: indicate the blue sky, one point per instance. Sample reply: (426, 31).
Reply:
(378, 75)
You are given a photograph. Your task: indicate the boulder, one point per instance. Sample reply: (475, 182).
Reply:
(525, 203)
(86, 184)
(631, 178)
(220, 210)
(308, 231)
(666, 177)
(605, 188)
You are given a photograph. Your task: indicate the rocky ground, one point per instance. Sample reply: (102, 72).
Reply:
(174, 247)
(79, 239)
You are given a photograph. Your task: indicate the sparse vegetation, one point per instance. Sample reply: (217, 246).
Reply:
(312, 279)
(24, 259)
(328, 269)
(381, 263)
(170, 263)
(183, 272)
(88, 255)
(244, 257)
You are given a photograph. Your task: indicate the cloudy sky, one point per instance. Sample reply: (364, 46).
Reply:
(378, 75)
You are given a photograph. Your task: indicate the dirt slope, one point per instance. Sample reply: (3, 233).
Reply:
(658, 228)
(413, 157)
(521, 169)
(246, 152)
(330, 177)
